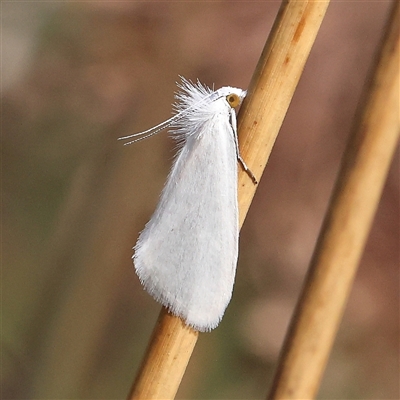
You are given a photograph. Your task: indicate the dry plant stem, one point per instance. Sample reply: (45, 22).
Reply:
(272, 87)
(345, 230)
(260, 119)
(170, 336)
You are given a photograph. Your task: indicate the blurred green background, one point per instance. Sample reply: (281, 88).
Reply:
(75, 77)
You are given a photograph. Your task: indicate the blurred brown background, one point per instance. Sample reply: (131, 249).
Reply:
(75, 78)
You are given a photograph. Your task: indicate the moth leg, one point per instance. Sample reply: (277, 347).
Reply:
(240, 159)
(247, 169)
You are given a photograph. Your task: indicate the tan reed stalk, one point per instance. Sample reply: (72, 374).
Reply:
(355, 198)
(270, 92)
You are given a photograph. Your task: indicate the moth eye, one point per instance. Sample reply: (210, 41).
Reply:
(233, 100)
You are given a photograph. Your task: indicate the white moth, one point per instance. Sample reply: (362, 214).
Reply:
(187, 254)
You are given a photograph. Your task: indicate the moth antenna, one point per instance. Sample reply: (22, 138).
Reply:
(166, 124)
(150, 132)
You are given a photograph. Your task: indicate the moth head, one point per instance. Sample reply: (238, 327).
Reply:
(233, 99)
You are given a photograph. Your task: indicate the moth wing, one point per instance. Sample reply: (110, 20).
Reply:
(187, 254)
